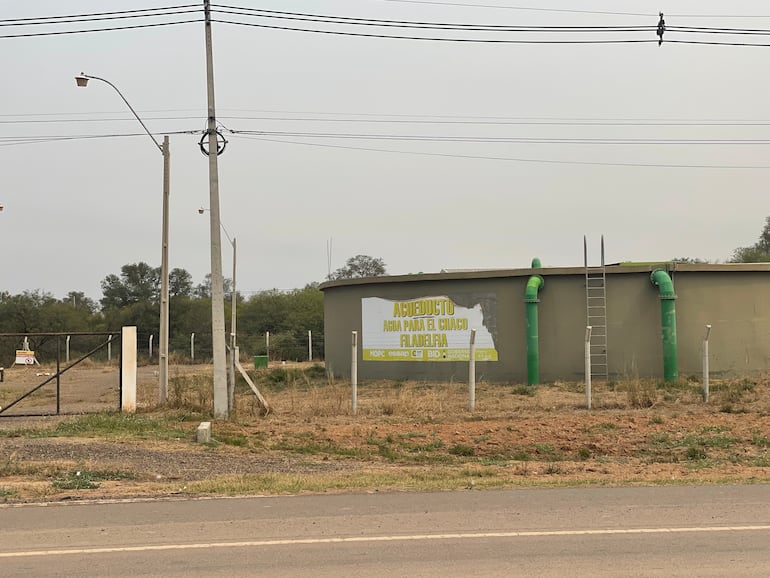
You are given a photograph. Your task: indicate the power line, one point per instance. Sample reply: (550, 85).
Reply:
(118, 12)
(435, 39)
(523, 8)
(714, 43)
(399, 119)
(68, 120)
(109, 29)
(572, 11)
(513, 159)
(88, 18)
(331, 19)
(521, 140)
(518, 122)
(22, 140)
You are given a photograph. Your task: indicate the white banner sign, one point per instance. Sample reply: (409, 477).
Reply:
(424, 329)
(25, 357)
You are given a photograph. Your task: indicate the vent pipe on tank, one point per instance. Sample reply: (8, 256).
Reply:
(665, 286)
(534, 284)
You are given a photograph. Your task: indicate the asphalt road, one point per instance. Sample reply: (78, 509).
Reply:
(662, 531)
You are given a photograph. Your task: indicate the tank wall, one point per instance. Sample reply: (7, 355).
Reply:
(735, 303)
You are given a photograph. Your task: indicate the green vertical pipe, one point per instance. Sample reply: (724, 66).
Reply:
(663, 282)
(534, 284)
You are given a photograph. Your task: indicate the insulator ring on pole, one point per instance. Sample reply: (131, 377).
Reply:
(221, 142)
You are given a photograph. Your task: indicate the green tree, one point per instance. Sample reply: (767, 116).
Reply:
(203, 289)
(180, 283)
(137, 283)
(78, 300)
(360, 266)
(691, 260)
(759, 252)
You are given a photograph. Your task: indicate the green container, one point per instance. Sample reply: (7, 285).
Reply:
(260, 361)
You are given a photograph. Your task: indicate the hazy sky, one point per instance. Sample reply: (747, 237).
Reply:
(449, 188)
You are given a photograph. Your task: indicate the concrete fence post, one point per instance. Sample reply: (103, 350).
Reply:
(354, 373)
(472, 372)
(128, 349)
(706, 364)
(588, 365)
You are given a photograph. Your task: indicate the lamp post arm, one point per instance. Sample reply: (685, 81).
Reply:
(131, 108)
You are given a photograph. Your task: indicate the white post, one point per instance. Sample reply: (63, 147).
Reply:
(128, 369)
(588, 366)
(192, 346)
(472, 373)
(309, 345)
(150, 345)
(267, 346)
(706, 364)
(354, 373)
(109, 348)
(67, 349)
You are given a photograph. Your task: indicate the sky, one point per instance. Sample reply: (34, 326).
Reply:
(428, 154)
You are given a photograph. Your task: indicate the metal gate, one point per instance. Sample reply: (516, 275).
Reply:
(104, 340)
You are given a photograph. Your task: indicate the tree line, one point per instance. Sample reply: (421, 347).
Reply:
(132, 297)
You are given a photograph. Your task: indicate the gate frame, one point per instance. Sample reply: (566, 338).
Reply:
(60, 371)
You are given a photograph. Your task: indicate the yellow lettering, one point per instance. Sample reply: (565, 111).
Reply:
(423, 308)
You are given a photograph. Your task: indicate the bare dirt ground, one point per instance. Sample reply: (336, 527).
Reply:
(405, 435)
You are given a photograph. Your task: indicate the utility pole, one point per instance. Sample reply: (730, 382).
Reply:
(217, 289)
(164, 303)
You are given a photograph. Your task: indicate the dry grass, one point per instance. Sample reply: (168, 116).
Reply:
(305, 392)
(414, 435)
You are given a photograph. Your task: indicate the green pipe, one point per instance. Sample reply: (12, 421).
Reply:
(664, 284)
(534, 284)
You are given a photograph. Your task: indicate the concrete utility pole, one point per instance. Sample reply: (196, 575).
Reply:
(164, 299)
(221, 409)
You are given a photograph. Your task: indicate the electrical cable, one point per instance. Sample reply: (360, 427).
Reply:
(67, 120)
(133, 27)
(513, 159)
(520, 140)
(15, 141)
(100, 13)
(437, 39)
(715, 43)
(282, 15)
(97, 19)
(572, 11)
(517, 122)
(402, 119)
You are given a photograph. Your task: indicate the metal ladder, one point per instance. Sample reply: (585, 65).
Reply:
(596, 313)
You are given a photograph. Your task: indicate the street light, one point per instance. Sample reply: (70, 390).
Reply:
(82, 81)
(234, 302)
